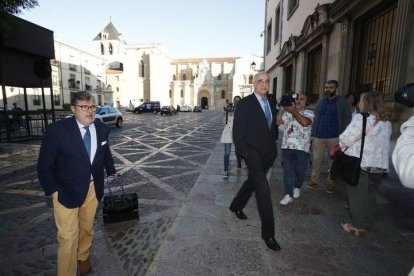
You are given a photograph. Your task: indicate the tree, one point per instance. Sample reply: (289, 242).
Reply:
(16, 6)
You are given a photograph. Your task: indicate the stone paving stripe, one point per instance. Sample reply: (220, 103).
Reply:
(22, 209)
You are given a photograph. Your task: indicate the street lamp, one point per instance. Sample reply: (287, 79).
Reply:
(253, 66)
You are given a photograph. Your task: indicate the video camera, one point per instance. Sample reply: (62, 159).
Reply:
(405, 95)
(288, 99)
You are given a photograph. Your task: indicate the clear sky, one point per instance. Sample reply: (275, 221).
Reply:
(186, 28)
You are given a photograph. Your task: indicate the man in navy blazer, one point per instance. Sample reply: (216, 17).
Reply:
(72, 159)
(255, 135)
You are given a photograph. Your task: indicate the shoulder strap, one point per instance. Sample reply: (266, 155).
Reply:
(364, 125)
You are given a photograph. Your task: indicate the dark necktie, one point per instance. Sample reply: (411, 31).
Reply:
(87, 140)
(267, 113)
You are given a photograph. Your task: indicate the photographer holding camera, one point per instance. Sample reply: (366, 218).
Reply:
(296, 142)
(403, 155)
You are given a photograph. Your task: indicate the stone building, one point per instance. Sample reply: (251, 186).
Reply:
(211, 82)
(363, 44)
(138, 72)
(73, 70)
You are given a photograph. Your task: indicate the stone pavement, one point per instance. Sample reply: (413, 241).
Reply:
(18, 158)
(167, 155)
(207, 239)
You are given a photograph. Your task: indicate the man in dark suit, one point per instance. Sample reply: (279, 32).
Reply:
(255, 135)
(72, 159)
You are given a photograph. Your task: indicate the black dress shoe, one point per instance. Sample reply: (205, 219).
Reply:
(272, 244)
(239, 213)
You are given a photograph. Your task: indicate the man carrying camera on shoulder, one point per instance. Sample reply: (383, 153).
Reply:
(296, 142)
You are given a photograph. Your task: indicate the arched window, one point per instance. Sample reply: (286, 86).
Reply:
(182, 93)
(174, 77)
(170, 93)
(184, 77)
(141, 69)
(110, 49)
(250, 79)
(223, 94)
(102, 49)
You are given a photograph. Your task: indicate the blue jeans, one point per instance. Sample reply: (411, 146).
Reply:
(294, 167)
(227, 151)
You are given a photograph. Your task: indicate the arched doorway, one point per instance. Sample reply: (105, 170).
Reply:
(204, 102)
(204, 98)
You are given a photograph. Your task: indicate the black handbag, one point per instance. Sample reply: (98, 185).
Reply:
(119, 207)
(348, 168)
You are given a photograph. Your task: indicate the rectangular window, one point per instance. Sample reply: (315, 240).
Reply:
(277, 24)
(292, 6)
(72, 81)
(313, 78)
(98, 86)
(37, 100)
(269, 37)
(88, 85)
(56, 98)
(72, 67)
(288, 79)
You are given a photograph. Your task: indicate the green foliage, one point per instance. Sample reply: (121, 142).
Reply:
(16, 6)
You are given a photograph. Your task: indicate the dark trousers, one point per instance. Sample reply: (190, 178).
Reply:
(257, 182)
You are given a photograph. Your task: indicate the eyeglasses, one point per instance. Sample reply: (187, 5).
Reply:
(87, 107)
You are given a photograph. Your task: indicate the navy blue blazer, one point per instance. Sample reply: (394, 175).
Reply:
(251, 135)
(64, 164)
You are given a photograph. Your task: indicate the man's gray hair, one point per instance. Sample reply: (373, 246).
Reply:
(257, 76)
(80, 96)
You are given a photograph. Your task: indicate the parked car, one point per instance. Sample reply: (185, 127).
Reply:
(147, 107)
(109, 115)
(197, 108)
(185, 108)
(168, 110)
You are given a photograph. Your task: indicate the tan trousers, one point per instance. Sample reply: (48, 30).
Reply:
(75, 232)
(319, 146)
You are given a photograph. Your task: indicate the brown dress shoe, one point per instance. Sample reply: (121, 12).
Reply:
(84, 267)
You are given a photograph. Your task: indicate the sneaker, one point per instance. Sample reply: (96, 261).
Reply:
(312, 184)
(296, 193)
(330, 190)
(286, 200)
(226, 174)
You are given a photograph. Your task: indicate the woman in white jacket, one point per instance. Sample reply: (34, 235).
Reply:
(374, 161)
(227, 135)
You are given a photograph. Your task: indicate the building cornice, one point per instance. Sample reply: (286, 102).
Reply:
(316, 25)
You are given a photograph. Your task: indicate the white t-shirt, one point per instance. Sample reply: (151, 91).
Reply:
(296, 136)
